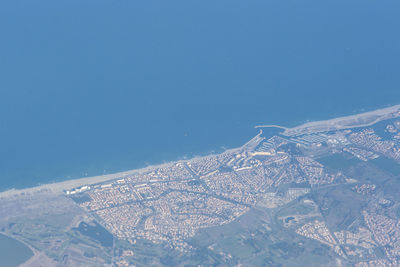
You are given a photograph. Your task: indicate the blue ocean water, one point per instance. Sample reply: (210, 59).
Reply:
(94, 86)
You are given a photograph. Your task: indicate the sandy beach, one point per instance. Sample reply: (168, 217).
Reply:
(352, 121)
(346, 122)
(60, 187)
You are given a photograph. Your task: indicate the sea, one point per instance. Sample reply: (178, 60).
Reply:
(91, 87)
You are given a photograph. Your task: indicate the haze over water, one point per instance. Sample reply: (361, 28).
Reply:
(89, 87)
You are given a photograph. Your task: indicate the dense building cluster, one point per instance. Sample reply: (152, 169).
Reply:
(168, 205)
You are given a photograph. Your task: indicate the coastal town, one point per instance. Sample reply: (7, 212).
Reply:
(171, 204)
(331, 192)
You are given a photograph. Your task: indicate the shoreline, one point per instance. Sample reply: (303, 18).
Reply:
(60, 187)
(345, 122)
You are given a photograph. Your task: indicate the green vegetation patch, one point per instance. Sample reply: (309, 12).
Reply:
(338, 161)
(387, 164)
(96, 232)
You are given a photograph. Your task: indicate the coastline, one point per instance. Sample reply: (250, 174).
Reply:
(60, 187)
(345, 122)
